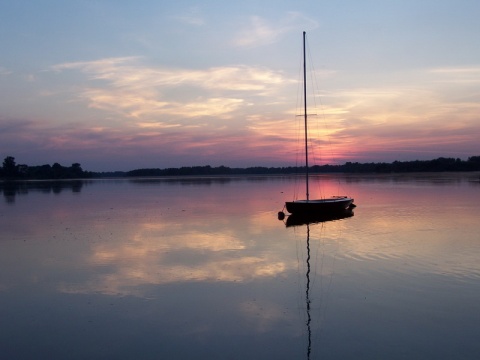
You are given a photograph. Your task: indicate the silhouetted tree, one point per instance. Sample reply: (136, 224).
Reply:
(76, 170)
(9, 167)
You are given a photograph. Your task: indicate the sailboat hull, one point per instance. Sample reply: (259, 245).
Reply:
(322, 206)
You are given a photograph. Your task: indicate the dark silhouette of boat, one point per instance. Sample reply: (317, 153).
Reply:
(300, 219)
(326, 206)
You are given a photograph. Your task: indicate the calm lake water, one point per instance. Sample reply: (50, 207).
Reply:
(203, 269)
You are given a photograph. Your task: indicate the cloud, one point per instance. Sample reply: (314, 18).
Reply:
(18, 133)
(390, 122)
(457, 70)
(4, 71)
(218, 113)
(127, 72)
(458, 75)
(260, 31)
(233, 115)
(126, 87)
(192, 16)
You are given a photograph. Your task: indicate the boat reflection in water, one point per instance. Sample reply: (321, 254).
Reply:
(307, 219)
(299, 219)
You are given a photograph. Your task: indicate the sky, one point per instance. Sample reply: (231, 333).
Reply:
(118, 85)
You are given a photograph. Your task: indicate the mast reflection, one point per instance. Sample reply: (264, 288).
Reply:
(307, 296)
(307, 220)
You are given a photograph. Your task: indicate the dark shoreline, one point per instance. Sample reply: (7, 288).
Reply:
(11, 171)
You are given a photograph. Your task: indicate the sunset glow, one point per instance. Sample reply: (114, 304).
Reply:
(120, 86)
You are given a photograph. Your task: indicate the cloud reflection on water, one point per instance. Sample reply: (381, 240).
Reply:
(209, 265)
(155, 254)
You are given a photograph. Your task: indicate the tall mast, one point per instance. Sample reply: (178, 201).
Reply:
(305, 112)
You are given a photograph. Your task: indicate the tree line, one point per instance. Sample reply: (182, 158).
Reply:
(10, 170)
(13, 171)
(436, 165)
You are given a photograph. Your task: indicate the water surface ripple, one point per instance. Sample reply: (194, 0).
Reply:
(182, 268)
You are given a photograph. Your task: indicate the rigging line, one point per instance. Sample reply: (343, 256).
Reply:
(313, 79)
(319, 108)
(314, 95)
(299, 125)
(321, 120)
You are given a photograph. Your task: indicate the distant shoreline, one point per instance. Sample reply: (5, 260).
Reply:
(12, 171)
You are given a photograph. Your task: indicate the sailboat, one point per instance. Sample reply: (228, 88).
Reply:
(325, 206)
